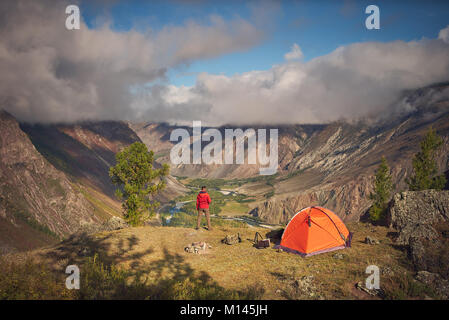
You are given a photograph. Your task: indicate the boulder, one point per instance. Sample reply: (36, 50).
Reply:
(197, 247)
(417, 253)
(306, 287)
(434, 281)
(413, 214)
(418, 231)
(420, 217)
(371, 241)
(338, 256)
(432, 256)
(231, 239)
(428, 206)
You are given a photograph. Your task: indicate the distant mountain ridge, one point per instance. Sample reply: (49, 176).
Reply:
(330, 164)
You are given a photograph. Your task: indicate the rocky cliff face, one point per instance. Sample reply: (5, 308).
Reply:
(348, 200)
(34, 196)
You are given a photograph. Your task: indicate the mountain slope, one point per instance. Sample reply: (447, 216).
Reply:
(37, 202)
(85, 152)
(346, 157)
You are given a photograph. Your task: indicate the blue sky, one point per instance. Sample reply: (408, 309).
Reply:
(318, 27)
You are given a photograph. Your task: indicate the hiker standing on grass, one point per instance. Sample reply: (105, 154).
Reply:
(202, 205)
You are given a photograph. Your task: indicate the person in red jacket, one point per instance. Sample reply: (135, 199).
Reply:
(202, 205)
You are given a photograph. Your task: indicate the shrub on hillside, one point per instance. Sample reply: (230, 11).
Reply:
(30, 280)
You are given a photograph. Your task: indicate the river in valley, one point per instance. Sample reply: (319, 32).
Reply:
(251, 222)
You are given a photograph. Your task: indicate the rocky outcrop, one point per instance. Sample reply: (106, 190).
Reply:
(417, 253)
(435, 281)
(416, 231)
(275, 211)
(421, 219)
(413, 214)
(432, 256)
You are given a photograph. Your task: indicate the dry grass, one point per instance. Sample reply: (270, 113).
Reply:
(234, 208)
(157, 253)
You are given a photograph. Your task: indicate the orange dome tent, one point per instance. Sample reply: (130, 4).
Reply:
(315, 230)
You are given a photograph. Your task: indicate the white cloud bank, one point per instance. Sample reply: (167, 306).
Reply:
(48, 73)
(444, 34)
(361, 80)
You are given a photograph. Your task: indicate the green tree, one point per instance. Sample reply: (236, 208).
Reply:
(425, 166)
(138, 182)
(382, 191)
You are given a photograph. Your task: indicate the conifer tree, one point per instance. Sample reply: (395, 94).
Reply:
(138, 182)
(425, 166)
(382, 191)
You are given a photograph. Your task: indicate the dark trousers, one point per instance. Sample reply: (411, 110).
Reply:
(206, 213)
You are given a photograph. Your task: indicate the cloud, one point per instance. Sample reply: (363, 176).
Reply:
(51, 74)
(294, 54)
(361, 80)
(444, 34)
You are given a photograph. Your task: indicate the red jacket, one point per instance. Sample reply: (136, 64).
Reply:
(202, 200)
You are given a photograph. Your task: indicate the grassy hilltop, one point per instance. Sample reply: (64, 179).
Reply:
(150, 263)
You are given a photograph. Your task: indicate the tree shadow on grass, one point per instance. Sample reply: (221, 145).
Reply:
(102, 276)
(77, 248)
(171, 277)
